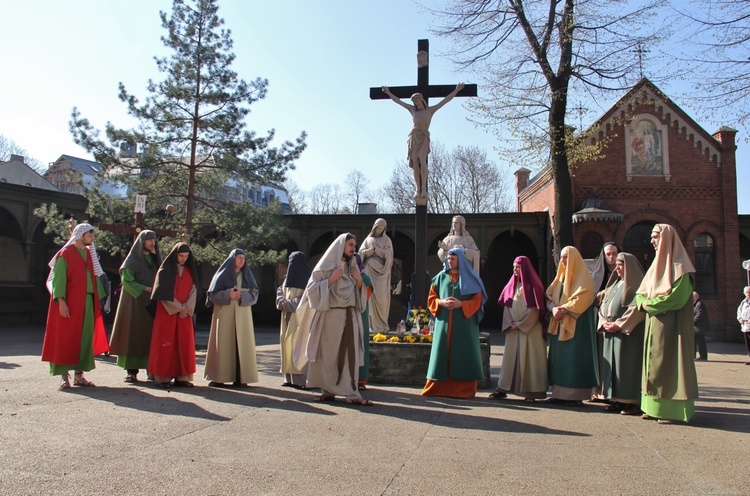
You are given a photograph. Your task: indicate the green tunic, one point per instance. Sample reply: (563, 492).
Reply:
(364, 370)
(465, 360)
(572, 363)
(59, 285)
(131, 331)
(669, 383)
(622, 356)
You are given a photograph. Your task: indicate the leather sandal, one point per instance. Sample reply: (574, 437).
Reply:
(79, 380)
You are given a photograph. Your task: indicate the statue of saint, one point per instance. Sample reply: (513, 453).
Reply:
(377, 256)
(419, 137)
(460, 237)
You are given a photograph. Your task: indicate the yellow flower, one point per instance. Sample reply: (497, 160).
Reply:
(394, 339)
(410, 339)
(379, 337)
(426, 338)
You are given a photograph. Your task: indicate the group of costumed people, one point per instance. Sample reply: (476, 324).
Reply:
(645, 320)
(646, 364)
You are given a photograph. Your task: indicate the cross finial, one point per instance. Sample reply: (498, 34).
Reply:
(640, 51)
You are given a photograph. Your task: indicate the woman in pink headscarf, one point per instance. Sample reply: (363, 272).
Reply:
(524, 371)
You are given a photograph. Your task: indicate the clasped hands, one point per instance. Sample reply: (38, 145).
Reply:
(450, 303)
(235, 294)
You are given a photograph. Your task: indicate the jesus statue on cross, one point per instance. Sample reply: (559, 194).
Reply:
(419, 136)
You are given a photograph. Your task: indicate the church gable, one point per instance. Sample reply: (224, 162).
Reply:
(649, 125)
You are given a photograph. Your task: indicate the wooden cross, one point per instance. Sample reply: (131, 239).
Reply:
(418, 284)
(137, 227)
(423, 83)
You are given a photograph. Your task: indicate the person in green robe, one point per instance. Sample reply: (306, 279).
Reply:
(364, 370)
(669, 385)
(622, 329)
(572, 363)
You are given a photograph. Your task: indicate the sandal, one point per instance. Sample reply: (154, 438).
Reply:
(646, 416)
(79, 380)
(238, 384)
(359, 402)
(131, 378)
(301, 387)
(362, 387)
(215, 384)
(497, 395)
(324, 398)
(165, 385)
(630, 409)
(287, 384)
(186, 384)
(65, 382)
(614, 407)
(529, 400)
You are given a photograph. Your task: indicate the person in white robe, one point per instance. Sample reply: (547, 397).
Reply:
(329, 341)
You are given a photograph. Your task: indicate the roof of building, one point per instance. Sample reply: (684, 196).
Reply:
(15, 171)
(85, 167)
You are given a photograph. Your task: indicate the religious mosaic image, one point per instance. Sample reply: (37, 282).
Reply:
(646, 149)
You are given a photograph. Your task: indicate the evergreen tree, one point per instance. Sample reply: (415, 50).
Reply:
(194, 151)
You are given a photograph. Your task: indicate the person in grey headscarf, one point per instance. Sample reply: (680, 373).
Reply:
(231, 341)
(75, 328)
(131, 332)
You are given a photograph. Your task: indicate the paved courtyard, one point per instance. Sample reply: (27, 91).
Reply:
(120, 438)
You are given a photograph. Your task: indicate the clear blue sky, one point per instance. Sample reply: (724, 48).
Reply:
(320, 57)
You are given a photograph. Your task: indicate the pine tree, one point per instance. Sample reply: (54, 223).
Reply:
(194, 149)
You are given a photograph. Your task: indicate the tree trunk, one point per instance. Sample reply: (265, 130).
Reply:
(562, 229)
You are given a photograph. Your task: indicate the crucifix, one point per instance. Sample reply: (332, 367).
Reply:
(419, 143)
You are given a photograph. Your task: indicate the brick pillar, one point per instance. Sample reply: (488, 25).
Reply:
(730, 289)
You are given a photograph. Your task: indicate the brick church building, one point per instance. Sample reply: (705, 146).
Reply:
(657, 166)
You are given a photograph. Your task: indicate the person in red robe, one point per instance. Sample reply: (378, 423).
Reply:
(75, 328)
(172, 353)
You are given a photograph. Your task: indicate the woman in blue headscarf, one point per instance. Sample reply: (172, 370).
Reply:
(456, 299)
(231, 342)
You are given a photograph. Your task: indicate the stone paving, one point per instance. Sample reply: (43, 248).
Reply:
(120, 438)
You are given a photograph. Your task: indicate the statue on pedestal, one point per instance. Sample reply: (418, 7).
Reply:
(459, 237)
(377, 256)
(419, 137)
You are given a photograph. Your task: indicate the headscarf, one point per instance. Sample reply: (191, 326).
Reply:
(598, 266)
(331, 259)
(165, 277)
(533, 290)
(671, 263)
(469, 282)
(226, 276)
(573, 288)
(632, 276)
(378, 223)
(298, 272)
(77, 234)
(136, 260)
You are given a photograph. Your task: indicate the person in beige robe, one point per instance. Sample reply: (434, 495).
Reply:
(231, 341)
(329, 339)
(524, 371)
(288, 296)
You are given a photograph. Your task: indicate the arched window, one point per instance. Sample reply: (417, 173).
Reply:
(705, 264)
(591, 244)
(637, 242)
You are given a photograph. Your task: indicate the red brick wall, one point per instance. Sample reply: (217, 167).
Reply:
(700, 196)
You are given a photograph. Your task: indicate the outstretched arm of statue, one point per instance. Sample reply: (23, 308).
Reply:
(396, 99)
(448, 98)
